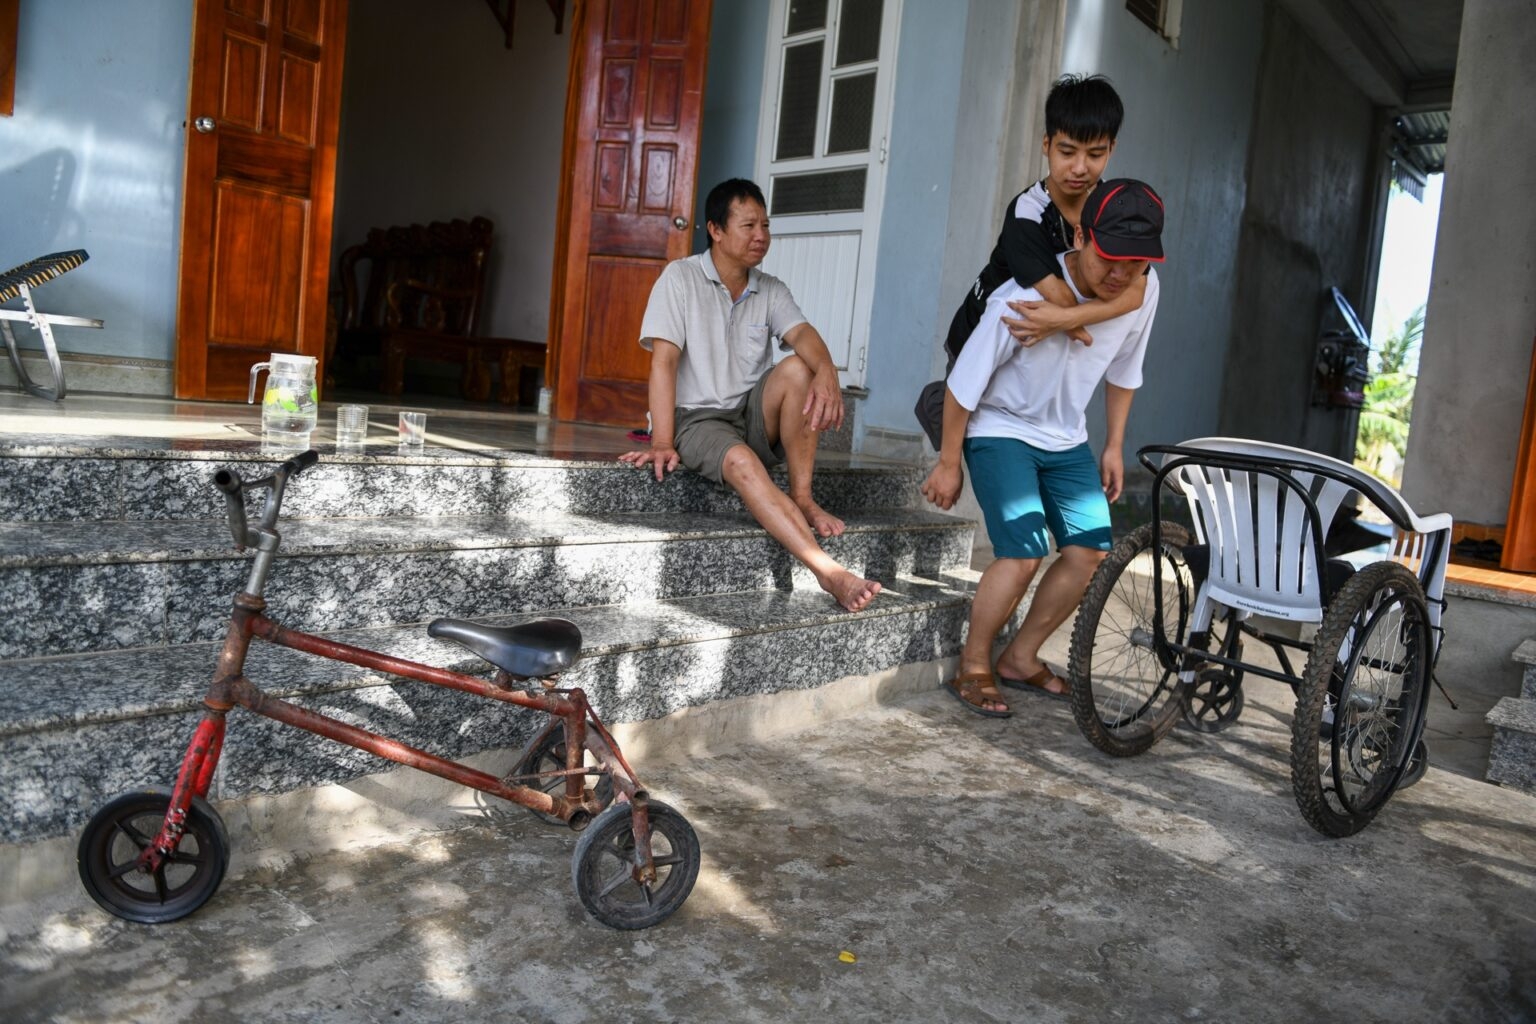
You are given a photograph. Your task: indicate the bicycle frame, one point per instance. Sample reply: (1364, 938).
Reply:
(230, 688)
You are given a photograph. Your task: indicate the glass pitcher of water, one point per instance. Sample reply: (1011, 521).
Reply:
(290, 403)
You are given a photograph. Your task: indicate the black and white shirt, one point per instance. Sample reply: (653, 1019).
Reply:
(1033, 234)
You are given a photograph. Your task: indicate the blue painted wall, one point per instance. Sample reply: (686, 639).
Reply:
(733, 95)
(1188, 113)
(909, 310)
(92, 160)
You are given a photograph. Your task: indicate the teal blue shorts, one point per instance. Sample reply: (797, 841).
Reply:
(1025, 491)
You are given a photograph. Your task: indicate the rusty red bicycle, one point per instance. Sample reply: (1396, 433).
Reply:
(155, 854)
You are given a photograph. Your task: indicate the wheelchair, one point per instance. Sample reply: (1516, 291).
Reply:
(1159, 636)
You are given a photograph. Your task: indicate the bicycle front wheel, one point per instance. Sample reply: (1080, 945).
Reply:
(118, 833)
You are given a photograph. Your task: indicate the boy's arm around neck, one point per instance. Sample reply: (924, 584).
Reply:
(1060, 310)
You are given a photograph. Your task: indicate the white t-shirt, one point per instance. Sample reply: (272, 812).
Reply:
(1040, 394)
(727, 346)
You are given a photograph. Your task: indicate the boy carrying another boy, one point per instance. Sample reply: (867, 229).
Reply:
(1017, 412)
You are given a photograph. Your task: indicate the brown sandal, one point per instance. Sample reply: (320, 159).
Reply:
(971, 689)
(1038, 682)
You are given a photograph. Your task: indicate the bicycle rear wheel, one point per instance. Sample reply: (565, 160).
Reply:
(606, 875)
(546, 753)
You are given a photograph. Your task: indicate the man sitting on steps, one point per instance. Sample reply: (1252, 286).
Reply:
(718, 404)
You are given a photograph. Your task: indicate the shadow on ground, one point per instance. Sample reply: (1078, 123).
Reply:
(977, 870)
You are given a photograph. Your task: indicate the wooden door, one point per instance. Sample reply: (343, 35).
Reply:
(1520, 528)
(632, 131)
(256, 215)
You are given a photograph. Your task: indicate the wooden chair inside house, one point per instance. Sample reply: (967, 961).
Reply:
(421, 298)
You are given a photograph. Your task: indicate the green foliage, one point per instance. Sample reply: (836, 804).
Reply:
(1382, 440)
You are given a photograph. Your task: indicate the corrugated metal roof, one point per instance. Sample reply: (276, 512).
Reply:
(1419, 148)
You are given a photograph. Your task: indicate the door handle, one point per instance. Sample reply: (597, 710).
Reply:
(681, 223)
(204, 124)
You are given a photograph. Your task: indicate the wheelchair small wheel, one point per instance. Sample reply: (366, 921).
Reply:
(116, 835)
(1124, 697)
(547, 754)
(604, 871)
(1361, 700)
(1215, 701)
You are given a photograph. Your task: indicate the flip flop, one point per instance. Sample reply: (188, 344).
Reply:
(1037, 683)
(968, 684)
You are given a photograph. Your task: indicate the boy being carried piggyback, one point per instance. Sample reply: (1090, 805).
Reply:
(1082, 120)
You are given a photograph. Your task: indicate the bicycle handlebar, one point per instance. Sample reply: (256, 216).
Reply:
(300, 462)
(229, 481)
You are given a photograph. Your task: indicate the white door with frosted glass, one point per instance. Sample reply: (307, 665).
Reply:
(821, 160)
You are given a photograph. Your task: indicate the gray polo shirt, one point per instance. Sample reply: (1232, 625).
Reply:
(727, 346)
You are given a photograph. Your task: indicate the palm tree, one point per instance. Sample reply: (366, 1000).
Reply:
(1389, 402)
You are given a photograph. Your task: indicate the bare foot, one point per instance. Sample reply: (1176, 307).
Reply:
(852, 592)
(821, 522)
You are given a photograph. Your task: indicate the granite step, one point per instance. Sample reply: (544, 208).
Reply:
(75, 587)
(1512, 753)
(45, 483)
(1525, 655)
(75, 730)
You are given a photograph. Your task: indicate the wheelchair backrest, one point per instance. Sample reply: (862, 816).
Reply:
(1265, 509)
(1264, 542)
(1263, 539)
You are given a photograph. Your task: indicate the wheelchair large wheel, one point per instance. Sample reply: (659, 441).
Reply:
(115, 836)
(1360, 706)
(1124, 697)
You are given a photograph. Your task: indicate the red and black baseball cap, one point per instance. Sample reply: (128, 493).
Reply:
(1123, 220)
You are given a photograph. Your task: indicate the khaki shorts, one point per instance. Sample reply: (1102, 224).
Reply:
(703, 436)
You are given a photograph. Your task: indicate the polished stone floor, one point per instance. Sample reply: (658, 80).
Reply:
(94, 421)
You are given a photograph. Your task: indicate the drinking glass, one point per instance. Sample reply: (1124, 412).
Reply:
(413, 429)
(351, 424)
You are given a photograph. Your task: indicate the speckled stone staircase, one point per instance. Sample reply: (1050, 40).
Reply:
(117, 569)
(1512, 756)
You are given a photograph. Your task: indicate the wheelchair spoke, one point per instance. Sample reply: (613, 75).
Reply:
(1124, 695)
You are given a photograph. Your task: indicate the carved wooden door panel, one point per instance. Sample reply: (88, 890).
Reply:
(632, 130)
(256, 216)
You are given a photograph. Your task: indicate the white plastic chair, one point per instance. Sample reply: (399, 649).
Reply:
(1266, 555)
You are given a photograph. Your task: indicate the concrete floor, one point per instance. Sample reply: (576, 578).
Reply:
(976, 869)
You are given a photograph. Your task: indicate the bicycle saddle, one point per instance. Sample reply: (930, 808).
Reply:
(528, 650)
